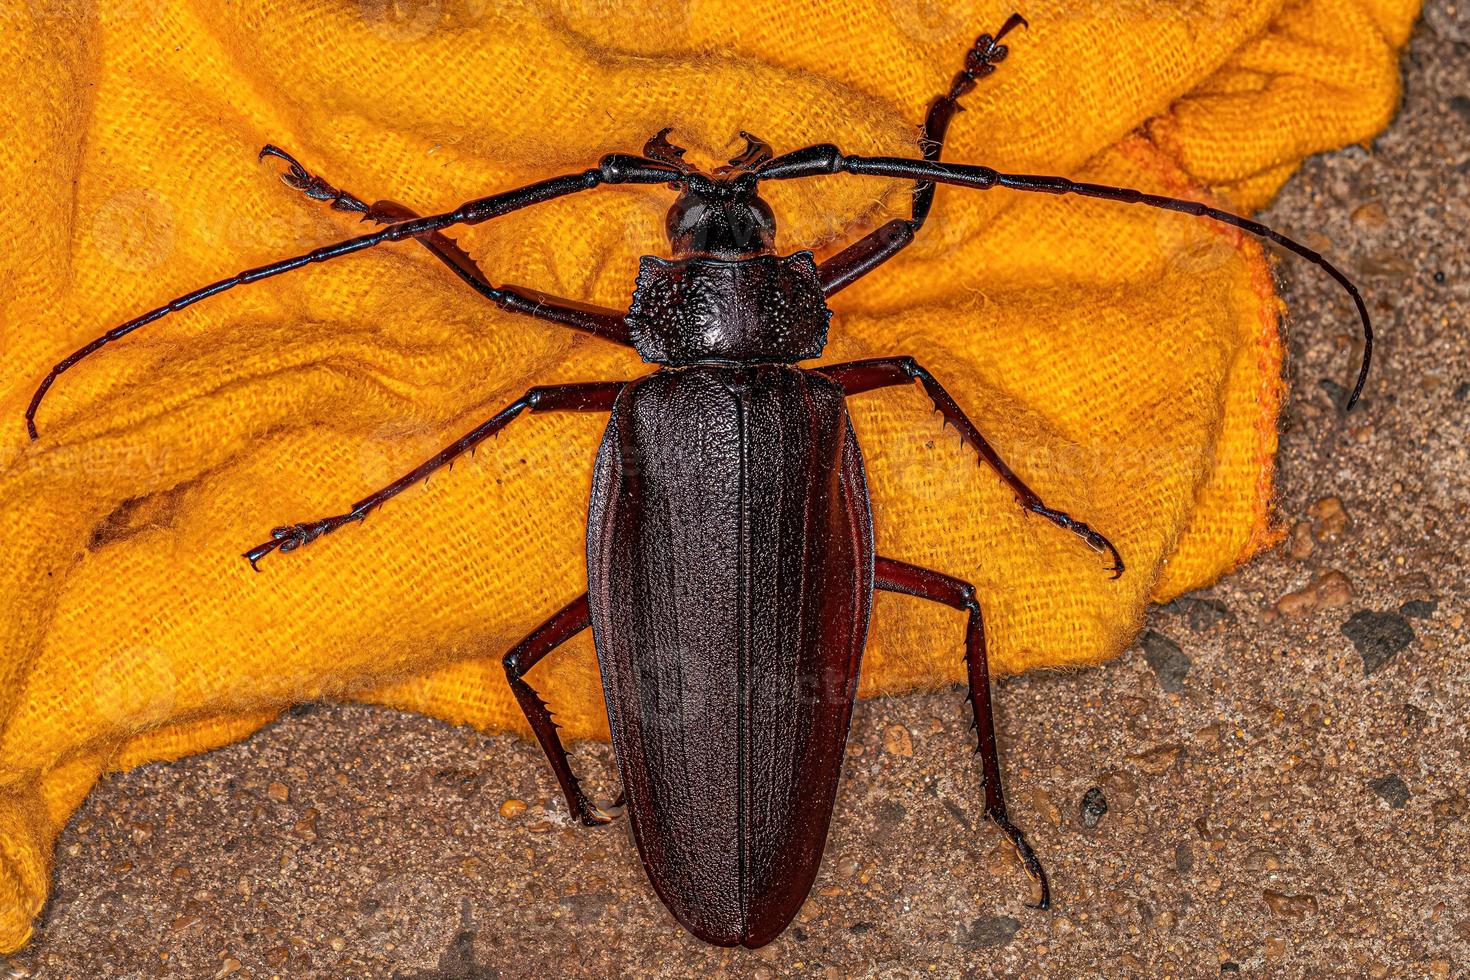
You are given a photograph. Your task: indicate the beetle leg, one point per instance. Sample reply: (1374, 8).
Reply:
(856, 377)
(613, 169)
(595, 396)
(596, 320)
(825, 158)
(896, 576)
(545, 638)
(871, 251)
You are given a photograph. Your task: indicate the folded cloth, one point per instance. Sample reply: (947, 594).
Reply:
(1126, 362)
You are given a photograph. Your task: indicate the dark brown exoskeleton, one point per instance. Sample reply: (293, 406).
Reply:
(730, 564)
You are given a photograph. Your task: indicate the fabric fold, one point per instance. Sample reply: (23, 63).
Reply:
(1126, 362)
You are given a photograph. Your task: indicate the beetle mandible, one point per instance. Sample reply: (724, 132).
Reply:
(730, 559)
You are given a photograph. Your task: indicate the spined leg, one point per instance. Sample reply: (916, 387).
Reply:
(866, 254)
(856, 377)
(595, 396)
(545, 638)
(600, 322)
(615, 168)
(824, 158)
(896, 576)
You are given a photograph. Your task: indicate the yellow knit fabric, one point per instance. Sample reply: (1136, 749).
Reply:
(1125, 362)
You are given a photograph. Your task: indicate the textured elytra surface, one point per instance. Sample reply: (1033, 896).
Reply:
(730, 561)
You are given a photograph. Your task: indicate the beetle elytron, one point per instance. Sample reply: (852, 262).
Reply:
(730, 562)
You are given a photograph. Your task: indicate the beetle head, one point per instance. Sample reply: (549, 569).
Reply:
(719, 215)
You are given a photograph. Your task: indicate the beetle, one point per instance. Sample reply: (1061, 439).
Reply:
(730, 556)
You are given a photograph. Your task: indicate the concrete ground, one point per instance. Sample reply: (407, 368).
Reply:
(1284, 758)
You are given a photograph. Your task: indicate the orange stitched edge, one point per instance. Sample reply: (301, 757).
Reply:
(1142, 150)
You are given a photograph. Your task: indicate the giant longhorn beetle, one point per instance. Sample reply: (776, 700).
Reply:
(730, 564)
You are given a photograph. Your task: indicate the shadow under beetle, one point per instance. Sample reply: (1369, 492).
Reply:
(730, 563)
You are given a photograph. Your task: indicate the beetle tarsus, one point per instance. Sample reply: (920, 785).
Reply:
(589, 814)
(289, 537)
(980, 60)
(1091, 538)
(603, 815)
(298, 177)
(1028, 857)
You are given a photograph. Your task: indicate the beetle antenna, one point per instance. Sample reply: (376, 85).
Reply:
(812, 161)
(1127, 195)
(613, 169)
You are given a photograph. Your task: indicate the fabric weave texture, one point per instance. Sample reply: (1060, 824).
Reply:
(1126, 362)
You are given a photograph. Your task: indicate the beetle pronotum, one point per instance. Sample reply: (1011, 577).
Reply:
(729, 577)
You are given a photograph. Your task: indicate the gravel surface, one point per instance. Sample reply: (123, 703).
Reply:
(1272, 783)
